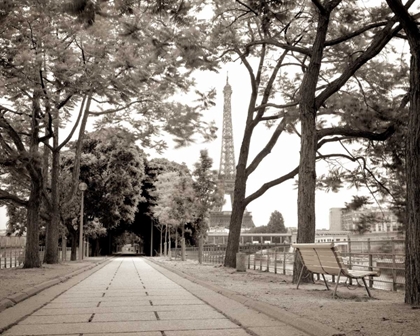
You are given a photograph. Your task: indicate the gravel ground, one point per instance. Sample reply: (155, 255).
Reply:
(353, 312)
(15, 280)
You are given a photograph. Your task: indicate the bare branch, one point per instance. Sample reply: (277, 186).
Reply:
(268, 147)
(271, 184)
(74, 126)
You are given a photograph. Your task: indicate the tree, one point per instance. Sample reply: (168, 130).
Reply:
(113, 168)
(175, 202)
(325, 55)
(207, 194)
(276, 223)
(412, 242)
(63, 66)
(145, 221)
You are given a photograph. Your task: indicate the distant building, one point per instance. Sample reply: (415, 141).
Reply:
(383, 220)
(335, 219)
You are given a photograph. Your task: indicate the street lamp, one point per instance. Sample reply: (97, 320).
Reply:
(82, 188)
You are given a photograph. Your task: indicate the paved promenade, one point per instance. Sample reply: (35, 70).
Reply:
(131, 296)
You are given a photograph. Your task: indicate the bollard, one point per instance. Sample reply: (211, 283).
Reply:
(240, 262)
(200, 249)
(183, 249)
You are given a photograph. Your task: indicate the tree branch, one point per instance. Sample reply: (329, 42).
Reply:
(379, 41)
(276, 105)
(355, 33)
(13, 134)
(349, 132)
(6, 196)
(116, 109)
(268, 147)
(74, 127)
(284, 46)
(320, 7)
(270, 184)
(269, 86)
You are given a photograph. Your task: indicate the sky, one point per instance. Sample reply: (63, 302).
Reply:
(283, 158)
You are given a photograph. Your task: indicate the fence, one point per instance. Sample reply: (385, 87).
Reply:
(387, 255)
(14, 256)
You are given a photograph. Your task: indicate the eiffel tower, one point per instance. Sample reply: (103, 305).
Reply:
(220, 217)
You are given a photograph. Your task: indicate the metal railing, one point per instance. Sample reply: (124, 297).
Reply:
(13, 256)
(386, 255)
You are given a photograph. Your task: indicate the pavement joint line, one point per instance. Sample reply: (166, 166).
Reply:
(310, 327)
(233, 320)
(15, 298)
(102, 264)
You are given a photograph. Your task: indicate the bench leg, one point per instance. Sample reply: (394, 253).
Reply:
(367, 288)
(336, 285)
(326, 284)
(300, 276)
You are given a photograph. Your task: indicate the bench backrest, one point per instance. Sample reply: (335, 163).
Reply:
(321, 258)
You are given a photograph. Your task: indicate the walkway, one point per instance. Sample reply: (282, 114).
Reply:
(133, 297)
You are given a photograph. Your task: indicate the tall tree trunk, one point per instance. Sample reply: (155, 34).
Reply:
(32, 226)
(238, 209)
(234, 233)
(412, 236)
(74, 237)
(34, 168)
(306, 187)
(52, 232)
(307, 172)
(238, 206)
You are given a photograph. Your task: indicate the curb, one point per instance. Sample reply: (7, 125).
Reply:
(11, 300)
(310, 327)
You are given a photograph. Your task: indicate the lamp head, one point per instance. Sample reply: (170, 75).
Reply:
(82, 186)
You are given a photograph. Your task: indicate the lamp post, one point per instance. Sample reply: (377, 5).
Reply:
(82, 188)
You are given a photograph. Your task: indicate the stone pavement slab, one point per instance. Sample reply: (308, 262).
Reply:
(36, 319)
(187, 309)
(119, 327)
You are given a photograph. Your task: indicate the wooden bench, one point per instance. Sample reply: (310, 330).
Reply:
(325, 259)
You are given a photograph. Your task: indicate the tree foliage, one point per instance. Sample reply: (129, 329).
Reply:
(274, 225)
(207, 192)
(113, 168)
(60, 59)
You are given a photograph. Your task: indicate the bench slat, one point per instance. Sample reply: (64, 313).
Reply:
(315, 269)
(325, 252)
(331, 270)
